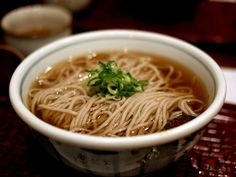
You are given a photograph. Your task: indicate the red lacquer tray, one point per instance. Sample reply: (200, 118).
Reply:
(213, 155)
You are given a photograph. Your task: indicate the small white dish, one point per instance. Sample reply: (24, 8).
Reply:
(30, 27)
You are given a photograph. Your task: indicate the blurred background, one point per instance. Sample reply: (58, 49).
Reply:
(209, 24)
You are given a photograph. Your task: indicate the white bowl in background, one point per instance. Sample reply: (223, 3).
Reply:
(29, 27)
(109, 156)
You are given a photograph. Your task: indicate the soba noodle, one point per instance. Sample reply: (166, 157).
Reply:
(62, 98)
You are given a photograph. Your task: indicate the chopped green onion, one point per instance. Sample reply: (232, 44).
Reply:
(113, 83)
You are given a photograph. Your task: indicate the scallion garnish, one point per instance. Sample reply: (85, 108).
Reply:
(110, 81)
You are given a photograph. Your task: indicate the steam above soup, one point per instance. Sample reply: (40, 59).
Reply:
(117, 94)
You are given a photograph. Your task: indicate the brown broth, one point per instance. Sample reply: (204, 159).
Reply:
(199, 89)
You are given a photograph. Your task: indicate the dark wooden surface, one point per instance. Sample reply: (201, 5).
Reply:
(210, 26)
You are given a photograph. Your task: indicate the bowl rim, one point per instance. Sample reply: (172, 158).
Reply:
(117, 143)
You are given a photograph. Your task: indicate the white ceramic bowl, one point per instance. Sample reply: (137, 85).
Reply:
(30, 27)
(108, 156)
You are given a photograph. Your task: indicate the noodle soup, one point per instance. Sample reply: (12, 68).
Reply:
(172, 96)
(87, 111)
